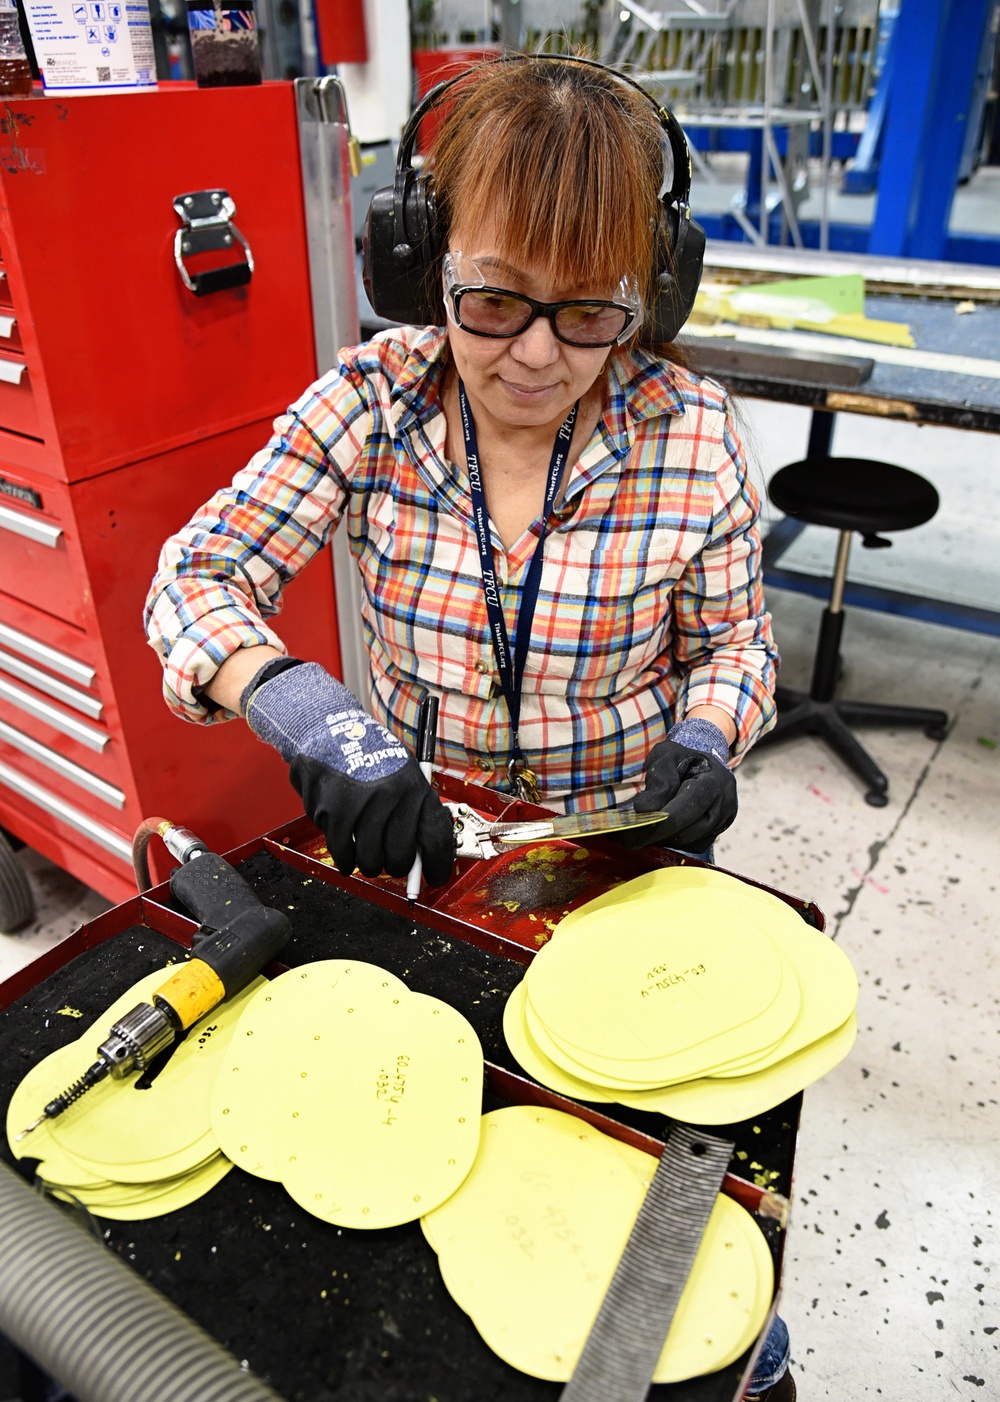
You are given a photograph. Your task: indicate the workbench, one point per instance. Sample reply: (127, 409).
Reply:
(912, 386)
(324, 1313)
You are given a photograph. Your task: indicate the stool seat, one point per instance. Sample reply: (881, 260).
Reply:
(853, 494)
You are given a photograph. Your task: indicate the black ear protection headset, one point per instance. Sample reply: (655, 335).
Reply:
(402, 238)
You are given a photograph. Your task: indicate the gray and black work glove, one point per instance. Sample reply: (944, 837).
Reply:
(358, 784)
(688, 777)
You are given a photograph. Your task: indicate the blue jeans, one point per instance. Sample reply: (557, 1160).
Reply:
(772, 1361)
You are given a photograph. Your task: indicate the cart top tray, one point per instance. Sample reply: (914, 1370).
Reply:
(325, 1313)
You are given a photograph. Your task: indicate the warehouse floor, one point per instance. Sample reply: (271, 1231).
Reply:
(890, 1288)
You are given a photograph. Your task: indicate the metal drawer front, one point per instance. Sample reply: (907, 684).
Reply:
(32, 527)
(75, 773)
(18, 410)
(88, 705)
(77, 730)
(72, 817)
(50, 657)
(39, 558)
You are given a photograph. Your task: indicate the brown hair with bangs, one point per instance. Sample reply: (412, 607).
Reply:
(562, 161)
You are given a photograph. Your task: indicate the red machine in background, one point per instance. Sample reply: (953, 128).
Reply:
(125, 401)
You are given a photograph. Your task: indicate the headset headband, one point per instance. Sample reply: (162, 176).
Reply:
(679, 149)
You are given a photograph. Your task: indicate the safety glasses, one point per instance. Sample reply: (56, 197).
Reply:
(482, 310)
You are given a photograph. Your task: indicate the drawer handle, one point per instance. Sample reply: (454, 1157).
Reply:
(75, 773)
(7, 324)
(72, 817)
(12, 370)
(41, 652)
(69, 725)
(41, 681)
(41, 531)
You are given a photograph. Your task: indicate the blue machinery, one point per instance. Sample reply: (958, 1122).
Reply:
(772, 77)
(786, 80)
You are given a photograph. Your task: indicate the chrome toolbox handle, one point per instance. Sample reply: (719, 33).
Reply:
(206, 217)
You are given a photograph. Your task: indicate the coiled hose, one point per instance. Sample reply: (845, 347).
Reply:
(93, 1323)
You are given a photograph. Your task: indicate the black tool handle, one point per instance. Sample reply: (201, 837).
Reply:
(239, 934)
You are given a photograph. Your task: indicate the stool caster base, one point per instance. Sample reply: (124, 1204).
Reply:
(801, 714)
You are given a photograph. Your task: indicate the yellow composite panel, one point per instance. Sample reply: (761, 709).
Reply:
(761, 1070)
(528, 1244)
(363, 1098)
(834, 305)
(636, 989)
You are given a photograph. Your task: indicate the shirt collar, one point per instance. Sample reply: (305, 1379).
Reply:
(416, 385)
(642, 387)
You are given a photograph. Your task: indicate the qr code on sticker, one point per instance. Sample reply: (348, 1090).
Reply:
(104, 75)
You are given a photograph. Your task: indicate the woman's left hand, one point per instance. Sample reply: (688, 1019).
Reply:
(688, 778)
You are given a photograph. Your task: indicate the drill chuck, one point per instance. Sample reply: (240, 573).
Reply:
(135, 1039)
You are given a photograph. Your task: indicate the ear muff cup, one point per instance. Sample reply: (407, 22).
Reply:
(402, 241)
(679, 275)
(400, 247)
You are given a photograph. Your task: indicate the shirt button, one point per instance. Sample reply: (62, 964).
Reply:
(482, 668)
(486, 765)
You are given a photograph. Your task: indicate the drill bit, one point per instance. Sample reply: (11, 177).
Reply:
(91, 1077)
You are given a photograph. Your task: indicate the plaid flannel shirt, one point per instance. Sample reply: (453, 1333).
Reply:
(650, 601)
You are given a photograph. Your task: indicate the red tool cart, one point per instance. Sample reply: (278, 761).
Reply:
(144, 352)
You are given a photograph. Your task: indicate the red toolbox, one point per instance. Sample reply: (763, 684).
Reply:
(125, 401)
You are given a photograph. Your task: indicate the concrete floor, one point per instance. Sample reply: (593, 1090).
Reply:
(890, 1286)
(890, 1279)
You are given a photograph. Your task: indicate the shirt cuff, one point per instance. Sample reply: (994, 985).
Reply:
(193, 659)
(743, 696)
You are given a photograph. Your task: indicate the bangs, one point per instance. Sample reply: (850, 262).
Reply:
(561, 163)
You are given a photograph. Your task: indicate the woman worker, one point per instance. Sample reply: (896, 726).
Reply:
(551, 516)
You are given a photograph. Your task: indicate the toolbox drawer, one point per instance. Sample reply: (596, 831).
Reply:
(47, 642)
(56, 718)
(35, 557)
(14, 665)
(42, 803)
(22, 751)
(18, 411)
(10, 331)
(53, 719)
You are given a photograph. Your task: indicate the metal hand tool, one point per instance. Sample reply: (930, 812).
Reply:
(477, 836)
(238, 936)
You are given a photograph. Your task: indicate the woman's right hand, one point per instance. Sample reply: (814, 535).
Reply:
(357, 782)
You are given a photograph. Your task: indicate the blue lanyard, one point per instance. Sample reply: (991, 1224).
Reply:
(511, 668)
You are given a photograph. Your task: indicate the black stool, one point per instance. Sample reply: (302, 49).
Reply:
(849, 494)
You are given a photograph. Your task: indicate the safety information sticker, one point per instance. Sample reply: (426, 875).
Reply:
(86, 46)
